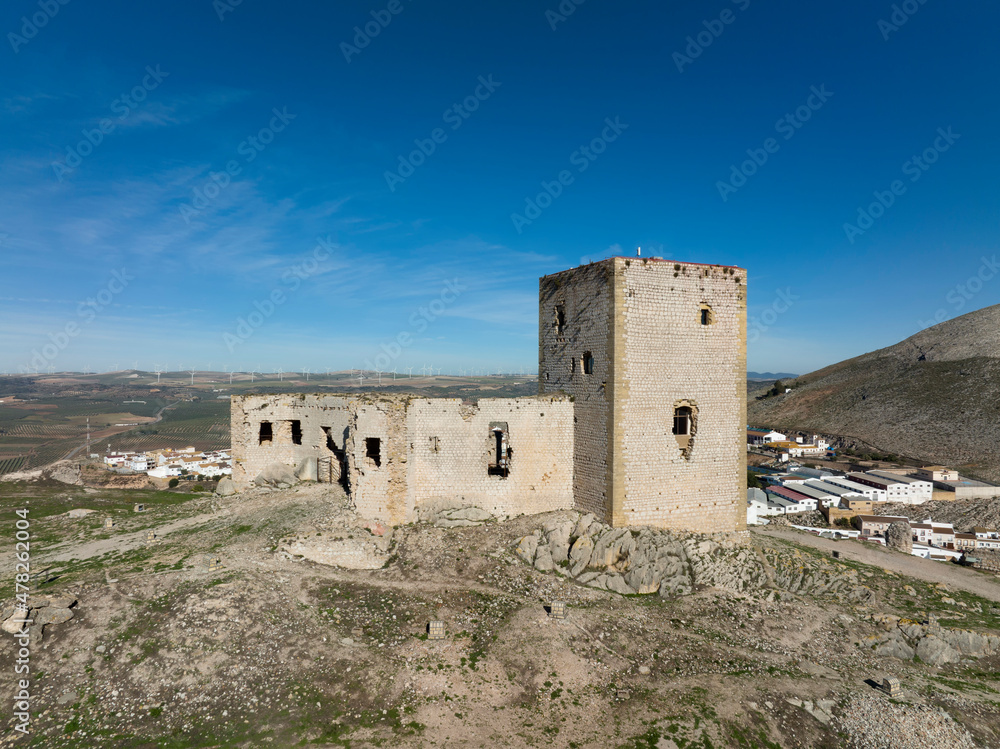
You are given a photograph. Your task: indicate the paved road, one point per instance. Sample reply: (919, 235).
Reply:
(952, 575)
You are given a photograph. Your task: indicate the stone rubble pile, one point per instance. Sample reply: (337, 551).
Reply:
(872, 721)
(930, 642)
(42, 611)
(647, 561)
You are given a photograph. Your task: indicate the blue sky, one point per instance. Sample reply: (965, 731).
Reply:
(261, 162)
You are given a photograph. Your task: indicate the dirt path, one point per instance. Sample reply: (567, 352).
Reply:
(959, 578)
(124, 542)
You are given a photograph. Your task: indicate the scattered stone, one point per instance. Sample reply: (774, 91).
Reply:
(79, 513)
(226, 487)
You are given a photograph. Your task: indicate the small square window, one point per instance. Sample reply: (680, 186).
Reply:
(266, 433)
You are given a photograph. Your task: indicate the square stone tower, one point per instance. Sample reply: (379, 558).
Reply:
(653, 353)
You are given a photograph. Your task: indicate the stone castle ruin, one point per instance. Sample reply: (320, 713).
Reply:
(639, 417)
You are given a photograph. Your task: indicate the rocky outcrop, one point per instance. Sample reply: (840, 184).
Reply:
(42, 611)
(444, 513)
(899, 536)
(646, 561)
(225, 487)
(930, 642)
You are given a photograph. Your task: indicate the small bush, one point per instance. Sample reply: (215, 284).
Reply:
(173, 482)
(197, 488)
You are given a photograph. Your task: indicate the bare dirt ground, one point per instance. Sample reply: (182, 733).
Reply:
(954, 576)
(272, 650)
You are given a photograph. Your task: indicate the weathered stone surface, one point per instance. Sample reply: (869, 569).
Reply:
(225, 487)
(349, 553)
(527, 547)
(15, 623)
(935, 651)
(896, 647)
(52, 615)
(79, 513)
(543, 559)
(899, 537)
(276, 474)
(308, 470)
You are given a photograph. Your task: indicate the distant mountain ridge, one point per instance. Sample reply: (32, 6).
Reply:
(770, 375)
(934, 396)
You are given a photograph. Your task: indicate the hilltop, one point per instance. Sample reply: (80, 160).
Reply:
(934, 396)
(765, 642)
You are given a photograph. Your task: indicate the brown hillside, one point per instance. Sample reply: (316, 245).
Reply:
(934, 396)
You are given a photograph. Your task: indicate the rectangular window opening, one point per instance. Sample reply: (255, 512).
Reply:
(588, 363)
(266, 433)
(435, 445)
(373, 450)
(560, 319)
(296, 432)
(500, 451)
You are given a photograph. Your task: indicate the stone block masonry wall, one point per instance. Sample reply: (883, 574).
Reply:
(452, 445)
(313, 412)
(631, 340)
(574, 319)
(378, 457)
(675, 355)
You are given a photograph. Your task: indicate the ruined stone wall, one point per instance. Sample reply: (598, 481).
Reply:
(378, 481)
(451, 444)
(670, 359)
(313, 412)
(585, 296)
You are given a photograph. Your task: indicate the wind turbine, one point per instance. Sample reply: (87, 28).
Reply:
(379, 373)
(156, 368)
(361, 379)
(306, 373)
(230, 377)
(394, 374)
(281, 375)
(410, 370)
(192, 377)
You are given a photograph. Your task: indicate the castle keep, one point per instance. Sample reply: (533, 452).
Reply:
(639, 419)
